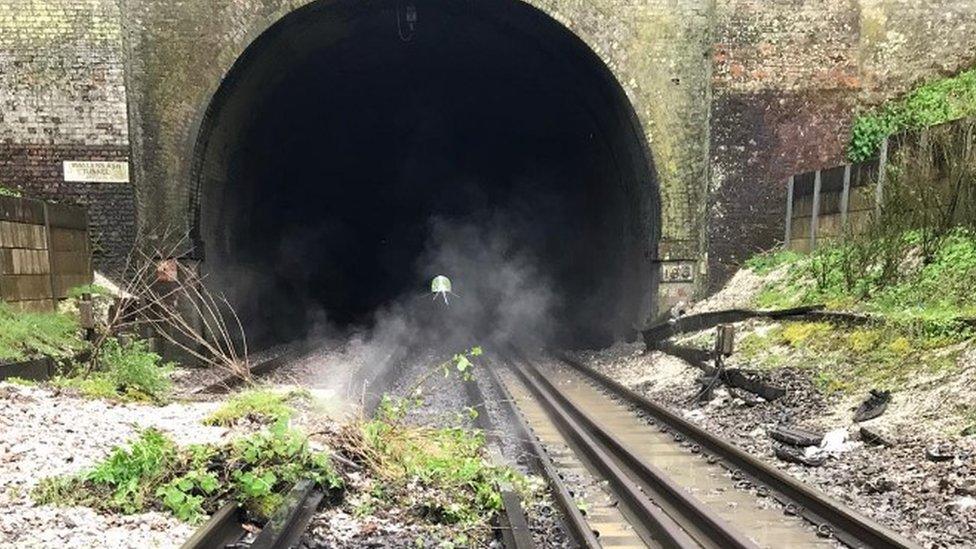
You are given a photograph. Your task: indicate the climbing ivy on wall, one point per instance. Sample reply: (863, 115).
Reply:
(934, 103)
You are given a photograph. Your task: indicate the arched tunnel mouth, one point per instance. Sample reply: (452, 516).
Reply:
(356, 150)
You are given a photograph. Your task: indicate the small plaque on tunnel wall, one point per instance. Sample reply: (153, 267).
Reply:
(88, 171)
(678, 272)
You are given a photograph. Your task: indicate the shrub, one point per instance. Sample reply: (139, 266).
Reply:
(127, 372)
(934, 103)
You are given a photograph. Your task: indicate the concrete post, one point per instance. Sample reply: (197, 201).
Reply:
(789, 213)
(815, 212)
(845, 200)
(882, 167)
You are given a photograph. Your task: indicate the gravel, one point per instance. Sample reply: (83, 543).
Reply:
(43, 434)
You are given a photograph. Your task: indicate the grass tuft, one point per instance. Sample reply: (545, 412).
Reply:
(259, 405)
(28, 335)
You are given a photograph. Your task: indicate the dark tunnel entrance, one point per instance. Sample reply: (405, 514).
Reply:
(352, 140)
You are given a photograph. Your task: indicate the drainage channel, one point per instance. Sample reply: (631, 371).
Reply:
(661, 487)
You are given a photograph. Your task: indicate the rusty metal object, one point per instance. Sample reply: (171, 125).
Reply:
(167, 270)
(724, 340)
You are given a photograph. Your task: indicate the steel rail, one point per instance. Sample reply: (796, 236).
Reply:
(513, 526)
(223, 529)
(289, 522)
(692, 510)
(665, 529)
(579, 529)
(842, 522)
(689, 513)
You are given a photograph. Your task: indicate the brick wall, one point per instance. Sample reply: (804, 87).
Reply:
(733, 95)
(788, 78)
(62, 97)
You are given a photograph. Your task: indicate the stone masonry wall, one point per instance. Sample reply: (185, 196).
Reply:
(788, 79)
(62, 97)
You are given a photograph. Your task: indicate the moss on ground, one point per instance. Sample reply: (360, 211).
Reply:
(847, 359)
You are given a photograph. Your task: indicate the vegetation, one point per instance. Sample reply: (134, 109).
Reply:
(932, 296)
(257, 405)
(767, 262)
(932, 104)
(153, 473)
(438, 478)
(129, 372)
(843, 359)
(441, 474)
(27, 335)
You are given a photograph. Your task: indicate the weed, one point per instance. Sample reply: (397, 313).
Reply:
(260, 405)
(91, 289)
(131, 372)
(804, 334)
(21, 381)
(767, 262)
(26, 335)
(154, 473)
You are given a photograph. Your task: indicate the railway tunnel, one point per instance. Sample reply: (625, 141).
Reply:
(351, 139)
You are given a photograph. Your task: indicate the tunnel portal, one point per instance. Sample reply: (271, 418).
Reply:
(347, 133)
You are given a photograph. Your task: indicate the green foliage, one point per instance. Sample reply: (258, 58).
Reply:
(129, 372)
(888, 275)
(4, 191)
(932, 104)
(441, 473)
(844, 359)
(21, 381)
(767, 262)
(27, 335)
(154, 473)
(134, 368)
(92, 289)
(260, 405)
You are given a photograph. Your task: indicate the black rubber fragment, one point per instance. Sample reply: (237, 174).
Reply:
(874, 406)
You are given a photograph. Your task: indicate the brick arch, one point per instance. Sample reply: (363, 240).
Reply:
(314, 29)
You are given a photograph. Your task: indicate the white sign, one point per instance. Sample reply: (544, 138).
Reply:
(96, 172)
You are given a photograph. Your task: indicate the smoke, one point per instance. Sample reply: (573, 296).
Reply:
(501, 298)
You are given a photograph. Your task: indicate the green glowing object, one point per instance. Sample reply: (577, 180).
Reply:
(441, 285)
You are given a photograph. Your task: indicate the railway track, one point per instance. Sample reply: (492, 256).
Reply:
(646, 477)
(624, 472)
